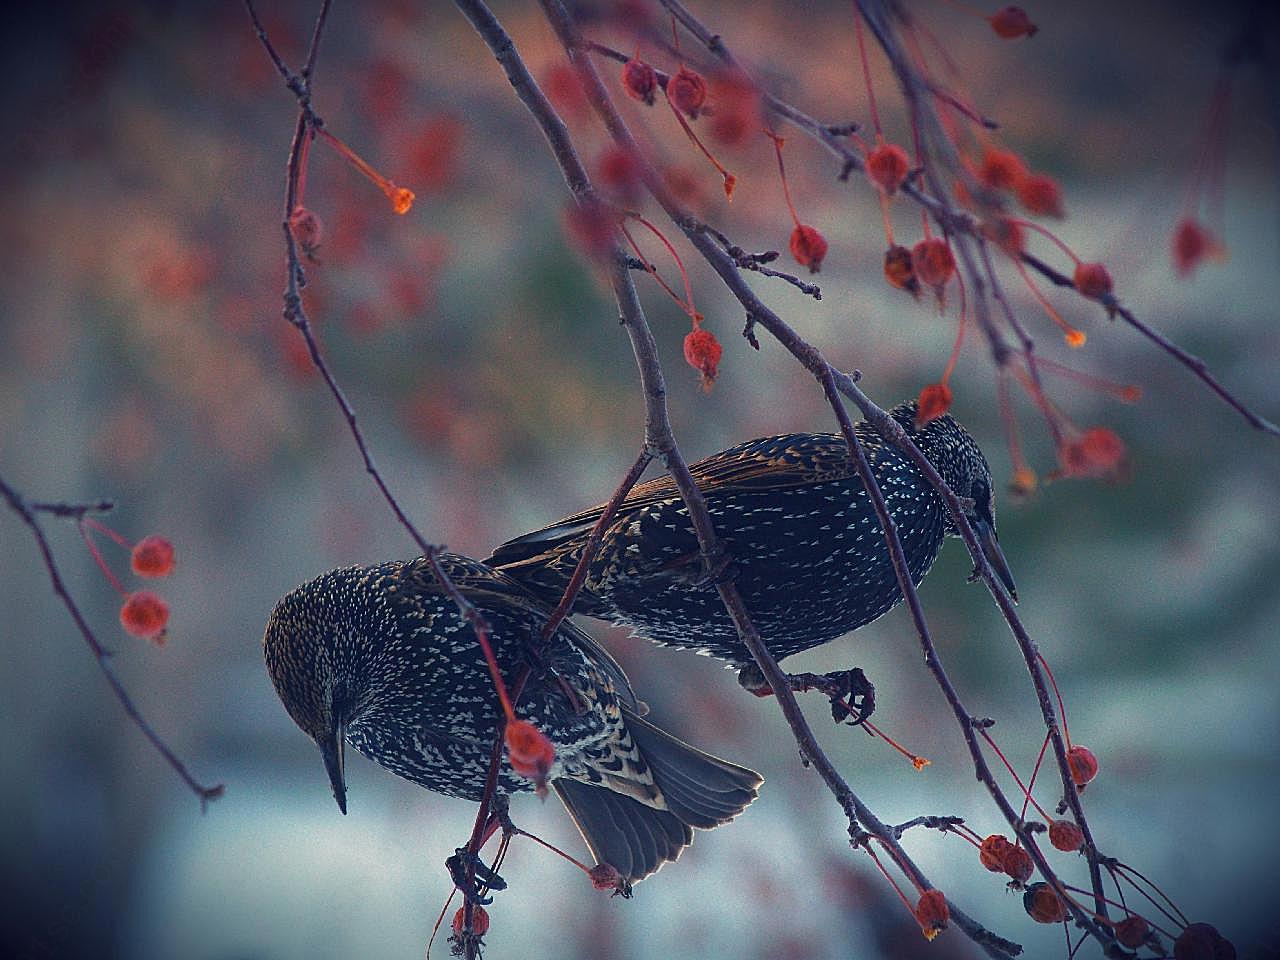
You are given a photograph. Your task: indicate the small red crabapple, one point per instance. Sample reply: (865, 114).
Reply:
(152, 557)
(935, 400)
(1043, 905)
(639, 80)
(1082, 764)
(932, 913)
(702, 352)
(808, 246)
(887, 167)
(144, 614)
(479, 920)
(688, 91)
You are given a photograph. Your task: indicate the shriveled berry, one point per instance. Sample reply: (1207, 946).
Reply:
(479, 920)
(899, 269)
(605, 876)
(1018, 864)
(1097, 452)
(1132, 932)
(808, 246)
(1202, 941)
(1043, 905)
(529, 751)
(152, 557)
(1066, 836)
(992, 851)
(639, 80)
(688, 91)
(144, 614)
(619, 170)
(887, 167)
(1080, 760)
(932, 913)
(1193, 244)
(935, 400)
(934, 262)
(702, 352)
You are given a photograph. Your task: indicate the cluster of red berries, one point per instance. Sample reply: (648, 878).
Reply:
(144, 613)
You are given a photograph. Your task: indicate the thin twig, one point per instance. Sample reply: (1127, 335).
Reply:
(27, 511)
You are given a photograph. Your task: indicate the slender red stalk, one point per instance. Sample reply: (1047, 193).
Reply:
(85, 522)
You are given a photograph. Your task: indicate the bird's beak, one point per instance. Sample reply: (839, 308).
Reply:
(995, 556)
(331, 748)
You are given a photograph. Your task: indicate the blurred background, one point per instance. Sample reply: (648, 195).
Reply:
(143, 358)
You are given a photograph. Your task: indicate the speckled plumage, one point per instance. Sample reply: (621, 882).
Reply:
(382, 656)
(808, 554)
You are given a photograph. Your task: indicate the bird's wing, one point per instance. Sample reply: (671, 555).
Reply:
(768, 463)
(482, 585)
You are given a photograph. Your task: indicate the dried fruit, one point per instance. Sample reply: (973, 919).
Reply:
(935, 400)
(1082, 764)
(1043, 905)
(702, 352)
(1097, 452)
(932, 913)
(899, 269)
(887, 167)
(1066, 836)
(639, 80)
(992, 851)
(808, 246)
(1018, 864)
(1132, 932)
(934, 262)
(688, 91)
(529, 751)
(1193, 244)
(605, 876)
(1202, 941)
(307, 229)
(479, 920)
(152, 557)
(144, 614)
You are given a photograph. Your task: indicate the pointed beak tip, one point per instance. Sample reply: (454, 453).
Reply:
(332, 751)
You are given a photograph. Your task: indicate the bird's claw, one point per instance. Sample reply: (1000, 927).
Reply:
(469, 872)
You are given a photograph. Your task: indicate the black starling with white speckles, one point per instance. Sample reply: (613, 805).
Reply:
(808, 554)
(379, 657)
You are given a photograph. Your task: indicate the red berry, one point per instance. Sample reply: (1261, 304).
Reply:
(1066, 836)
(992, 850)
(1040, 195)
(934, 262)
(808, 246)
(1043, 905)
(564, 87)
(1082, 764)
(1132, 932)
(688, 91)
(887, 167)
(145, 615)
(899, 269)
(1202, 941)
(1018, 864)
(529, 751)
(935, 400)
(1092, 280)
(593, 228)
(639, 80)
(479, 920)
(152, 557)
(702, 351)
(1002, 169)
(1010, 23)
(932, 913)
(605, 876)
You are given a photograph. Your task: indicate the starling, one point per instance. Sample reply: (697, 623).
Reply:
(379, 657)
(806, 548)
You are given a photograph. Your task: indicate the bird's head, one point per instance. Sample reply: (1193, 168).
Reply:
(958, 458)
(312, 649)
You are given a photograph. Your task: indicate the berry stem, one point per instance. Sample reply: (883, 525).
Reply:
(782, 173)
(83, 524)
(866, 73)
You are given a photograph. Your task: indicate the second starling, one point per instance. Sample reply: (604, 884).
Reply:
(808, 554)
(379, 657)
